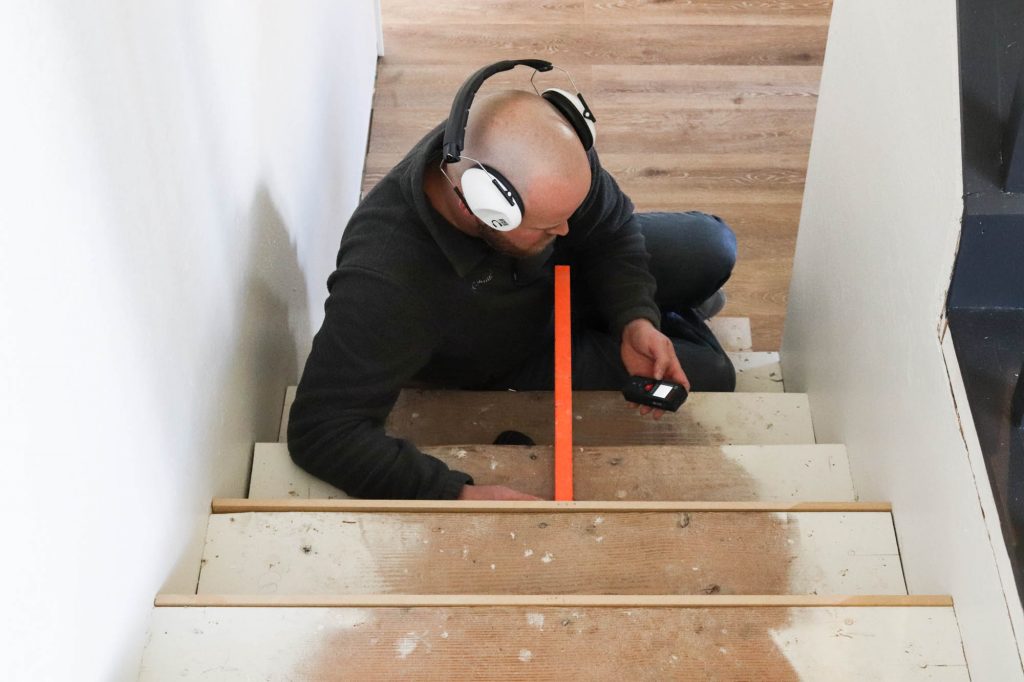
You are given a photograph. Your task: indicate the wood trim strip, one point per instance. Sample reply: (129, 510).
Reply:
(241, 505)
(563, 385)
(557, 600)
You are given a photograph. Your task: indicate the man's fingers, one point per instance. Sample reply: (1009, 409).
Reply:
(675, 372)
(661, 365)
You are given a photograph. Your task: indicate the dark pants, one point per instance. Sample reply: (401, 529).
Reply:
(692, 256)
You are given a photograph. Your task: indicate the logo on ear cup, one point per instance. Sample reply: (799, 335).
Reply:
(499, 222)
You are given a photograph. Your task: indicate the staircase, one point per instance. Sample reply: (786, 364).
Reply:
(720, 543)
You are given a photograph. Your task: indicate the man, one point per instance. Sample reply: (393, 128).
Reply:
(425, 292)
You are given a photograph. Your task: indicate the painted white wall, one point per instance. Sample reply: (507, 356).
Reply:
(876, 246)
(174, 179)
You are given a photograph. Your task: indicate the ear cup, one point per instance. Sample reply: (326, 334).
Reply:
(492, 198)
(575, 110)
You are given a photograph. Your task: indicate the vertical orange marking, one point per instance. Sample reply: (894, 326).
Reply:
(563, 386)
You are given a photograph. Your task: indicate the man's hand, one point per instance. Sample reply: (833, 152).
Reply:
(492, 492)
(649, 353)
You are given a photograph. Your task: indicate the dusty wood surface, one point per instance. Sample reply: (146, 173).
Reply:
(556, 553)
(761, 643)
(755, 371)
(602, 418)
(720, 79)
(722, 473)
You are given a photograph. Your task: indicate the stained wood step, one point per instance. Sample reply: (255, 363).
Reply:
(755, 371)
(736, 642)
(551, 552)
(651, 472)
(602, 418)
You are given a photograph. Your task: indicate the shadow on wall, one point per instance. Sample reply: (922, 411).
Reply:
(977, 157)
(272, 325)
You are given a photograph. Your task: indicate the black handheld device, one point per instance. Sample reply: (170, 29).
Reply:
(660, 394)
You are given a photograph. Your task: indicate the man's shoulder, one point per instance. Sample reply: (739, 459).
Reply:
(387, 246)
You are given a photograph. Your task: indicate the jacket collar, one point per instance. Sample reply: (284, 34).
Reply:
(464, 252)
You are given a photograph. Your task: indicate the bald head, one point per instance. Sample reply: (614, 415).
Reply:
(529, 142)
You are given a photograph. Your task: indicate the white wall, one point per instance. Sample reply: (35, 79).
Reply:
(876, 246)
(174, 179)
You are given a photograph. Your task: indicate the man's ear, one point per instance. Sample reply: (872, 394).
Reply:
(462, 200)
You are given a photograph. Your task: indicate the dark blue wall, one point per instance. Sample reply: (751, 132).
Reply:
(986, 299)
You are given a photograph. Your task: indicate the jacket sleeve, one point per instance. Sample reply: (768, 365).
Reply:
(375, 337)
(609, 253)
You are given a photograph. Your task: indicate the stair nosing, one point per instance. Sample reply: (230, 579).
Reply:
(243, 505)
(581, 600)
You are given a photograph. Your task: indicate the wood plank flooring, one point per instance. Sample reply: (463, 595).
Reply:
(702, 105)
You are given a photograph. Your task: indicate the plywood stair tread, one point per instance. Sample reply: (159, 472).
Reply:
(735, 642)
(650, 472)
(428, 417)
(756, 372)
(559, 552)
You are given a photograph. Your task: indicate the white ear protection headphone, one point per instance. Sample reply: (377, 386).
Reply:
(485, 191)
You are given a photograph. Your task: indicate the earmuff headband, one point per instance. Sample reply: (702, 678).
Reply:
(455, 130)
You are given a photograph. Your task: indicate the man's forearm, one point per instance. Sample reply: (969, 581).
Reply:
(354, 454)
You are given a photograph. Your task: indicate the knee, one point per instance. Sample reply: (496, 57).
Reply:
(718, 376)
(721, 249)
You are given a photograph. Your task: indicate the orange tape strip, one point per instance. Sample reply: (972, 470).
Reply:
(563, 386)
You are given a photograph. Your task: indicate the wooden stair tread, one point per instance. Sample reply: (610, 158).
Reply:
(429, 417)
(552, 553)
(444, 643)
(651, 472)
(755, 371)
(602, 418)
